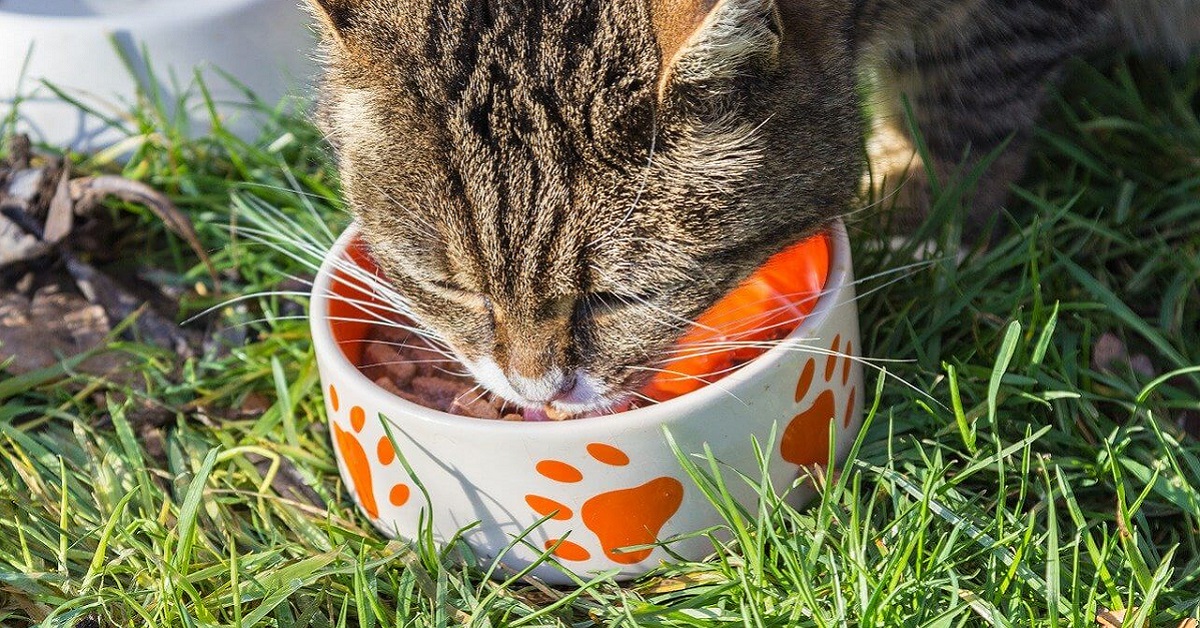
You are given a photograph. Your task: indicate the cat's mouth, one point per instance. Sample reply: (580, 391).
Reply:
(585, 396)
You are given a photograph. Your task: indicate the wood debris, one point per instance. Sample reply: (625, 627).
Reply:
(42, 213)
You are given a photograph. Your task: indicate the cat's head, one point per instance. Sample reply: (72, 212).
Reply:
(557, 186)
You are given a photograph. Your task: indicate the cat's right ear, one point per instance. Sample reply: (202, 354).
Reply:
(711, 43)
(335, 17)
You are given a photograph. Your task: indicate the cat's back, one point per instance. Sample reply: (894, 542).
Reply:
(1164, 27)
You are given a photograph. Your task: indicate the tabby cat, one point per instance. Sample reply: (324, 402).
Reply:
(556, 187)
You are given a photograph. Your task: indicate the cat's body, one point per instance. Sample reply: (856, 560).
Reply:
(556, 187)
(976, 73)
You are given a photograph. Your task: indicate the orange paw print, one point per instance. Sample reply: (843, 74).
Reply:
(354, 455)
(804, 439)
(620, 518)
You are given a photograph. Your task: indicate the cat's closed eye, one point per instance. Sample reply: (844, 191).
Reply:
(602, 303)
(460, 294)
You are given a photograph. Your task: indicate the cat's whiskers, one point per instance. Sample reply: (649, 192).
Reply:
(680, 322)
(707, 377)
(685, 323)
(459, 396)
(365, 365)
(482, 393)
(297, 191)
(352, 274)
(901, 271)
(794, 345)
(637, 198)
(283, 234)
(677, 322)
(423, 225)
(429, 346)
(453, 373)
(281, 225)
(388, 343)
(716, 384)
(879, 202)
(641, 396)
(694, 349)
(378, 317)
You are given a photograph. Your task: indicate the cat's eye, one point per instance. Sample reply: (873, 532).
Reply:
(604, 302)
(460, 294)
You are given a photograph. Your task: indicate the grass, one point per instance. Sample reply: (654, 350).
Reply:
(1029, 489)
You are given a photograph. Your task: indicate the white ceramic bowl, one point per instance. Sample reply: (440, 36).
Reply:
(78, 45)
(613, 481)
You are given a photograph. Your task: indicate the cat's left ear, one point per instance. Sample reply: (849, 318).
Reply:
(710, 42)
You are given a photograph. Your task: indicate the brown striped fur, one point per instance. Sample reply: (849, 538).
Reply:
(555, 185)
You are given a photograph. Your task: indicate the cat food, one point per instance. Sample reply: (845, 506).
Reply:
(740, 327)
(400, 362)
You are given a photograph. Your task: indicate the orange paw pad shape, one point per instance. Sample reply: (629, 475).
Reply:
(354, 456)
(620, 518)
(804, 439)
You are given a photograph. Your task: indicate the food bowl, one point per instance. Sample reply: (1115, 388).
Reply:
(610, 489)
(101, 52)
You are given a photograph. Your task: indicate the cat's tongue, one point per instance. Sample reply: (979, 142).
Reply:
(535, 414)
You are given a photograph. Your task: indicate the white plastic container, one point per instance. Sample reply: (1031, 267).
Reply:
(100, 51)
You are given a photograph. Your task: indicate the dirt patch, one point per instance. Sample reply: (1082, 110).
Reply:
(56, 298)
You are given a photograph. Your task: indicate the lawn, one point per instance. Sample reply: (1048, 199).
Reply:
(1026, 462)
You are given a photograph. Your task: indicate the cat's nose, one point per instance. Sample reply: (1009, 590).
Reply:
(551, 386)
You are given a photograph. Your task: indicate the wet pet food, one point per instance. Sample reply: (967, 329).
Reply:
(400, 362)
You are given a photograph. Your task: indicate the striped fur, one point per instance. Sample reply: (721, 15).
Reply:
(556, 184)
(976, 73)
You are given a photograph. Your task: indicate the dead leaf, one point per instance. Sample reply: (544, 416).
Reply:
(38, 332)
(60, 218)
(89, 192)
(20, 151)
(287, 481)
(1189, 422)
(1111, 619)
(16, 244)
(1109, 352)
(1116, 619)
(19, 190)
(255, 404)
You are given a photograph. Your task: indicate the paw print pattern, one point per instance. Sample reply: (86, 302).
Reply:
(804, 439)
(354, 456)
(619, 519)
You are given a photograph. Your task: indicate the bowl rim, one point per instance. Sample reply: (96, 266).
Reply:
(347, 377)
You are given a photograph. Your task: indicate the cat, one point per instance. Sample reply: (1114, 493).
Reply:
(557, 187)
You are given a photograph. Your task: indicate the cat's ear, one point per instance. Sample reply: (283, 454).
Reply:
(334, 16)
(710, 42)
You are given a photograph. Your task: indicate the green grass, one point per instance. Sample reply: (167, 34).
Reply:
(1027, 489)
